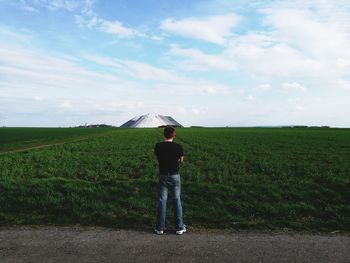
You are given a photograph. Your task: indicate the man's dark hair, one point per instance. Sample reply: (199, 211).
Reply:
(169, 132)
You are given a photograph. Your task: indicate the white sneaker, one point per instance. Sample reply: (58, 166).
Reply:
(158, 232)
(180, 232)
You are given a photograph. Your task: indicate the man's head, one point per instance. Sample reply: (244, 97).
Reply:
(169, 132)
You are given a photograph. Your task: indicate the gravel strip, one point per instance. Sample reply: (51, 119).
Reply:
(90, 244)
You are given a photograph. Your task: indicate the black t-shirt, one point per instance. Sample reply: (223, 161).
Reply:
(168, 154)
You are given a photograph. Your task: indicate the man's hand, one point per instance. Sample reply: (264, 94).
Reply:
(181, 159)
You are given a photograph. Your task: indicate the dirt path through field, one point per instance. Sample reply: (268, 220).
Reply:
(81, 244)
(42, 146)
(54, 143)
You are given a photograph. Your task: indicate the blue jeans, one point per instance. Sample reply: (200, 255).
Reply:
(172, 183)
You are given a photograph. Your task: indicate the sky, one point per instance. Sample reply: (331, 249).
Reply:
(204, 62)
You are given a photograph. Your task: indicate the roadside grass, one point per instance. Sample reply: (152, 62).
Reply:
(132, 204)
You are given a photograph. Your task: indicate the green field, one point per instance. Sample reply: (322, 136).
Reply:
(20, 138)
(232, 178)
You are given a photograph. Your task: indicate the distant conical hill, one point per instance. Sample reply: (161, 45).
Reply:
(150, 121)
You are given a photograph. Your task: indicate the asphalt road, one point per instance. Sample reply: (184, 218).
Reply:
(82, 244)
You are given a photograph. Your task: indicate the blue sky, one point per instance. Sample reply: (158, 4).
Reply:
(211, 63)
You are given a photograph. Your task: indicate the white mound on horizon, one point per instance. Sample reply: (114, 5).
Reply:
(150, 121)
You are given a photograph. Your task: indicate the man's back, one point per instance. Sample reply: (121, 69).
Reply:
(168, 154)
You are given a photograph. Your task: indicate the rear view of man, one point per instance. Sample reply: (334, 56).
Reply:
(169, 155)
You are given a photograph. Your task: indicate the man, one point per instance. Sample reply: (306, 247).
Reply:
(169, 155)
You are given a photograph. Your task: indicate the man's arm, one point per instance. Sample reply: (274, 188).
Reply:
(181, 159)
(181, 154)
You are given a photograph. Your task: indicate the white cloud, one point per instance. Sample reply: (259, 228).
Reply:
(343, 84)
(212, 88)
(191, 87)
(263, 87)
(138, 70)
(66, 105)
(61, 89)
(343, 63)
(301, 40)
(307, 31)
(18, 37)
(111, 27)
(90, 23)
(28, 8)
(55, 91)
(259, 54)
(19, 65)
(251, 98)
(300, 108)
(145, 71)
(86, 17)
(38, 98)
(117, 28)
(199, 61)
(166, 81)
(214, 29)
(105, 61)
(197, 111)
(190, 111)
(118, 105)
(293, 86)
(70, 5)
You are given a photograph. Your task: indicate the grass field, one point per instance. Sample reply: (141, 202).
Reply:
(20, 138)
(232, 178)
